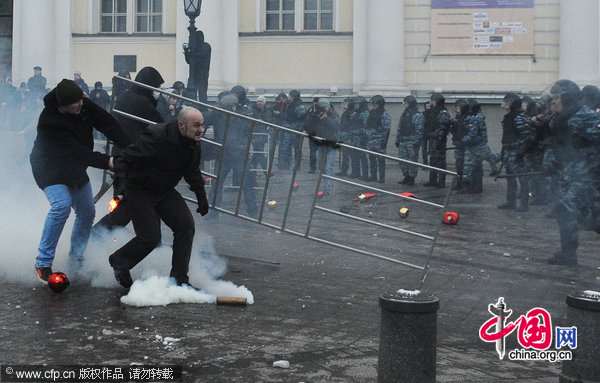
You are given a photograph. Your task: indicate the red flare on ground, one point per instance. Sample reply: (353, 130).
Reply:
(364, 197)
(57, 282)
(450, 218)
(407, 194)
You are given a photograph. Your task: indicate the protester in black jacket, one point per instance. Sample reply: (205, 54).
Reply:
(61, 154)
(140, 102)
(146, 175)
(322, 126)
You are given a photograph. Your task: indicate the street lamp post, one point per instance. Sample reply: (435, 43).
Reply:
(192, 10)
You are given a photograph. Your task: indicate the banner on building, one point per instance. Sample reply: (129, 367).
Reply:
(482, 27)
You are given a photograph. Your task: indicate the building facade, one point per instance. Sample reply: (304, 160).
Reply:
(333, 47)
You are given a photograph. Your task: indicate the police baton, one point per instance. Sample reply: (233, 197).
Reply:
(501, 164)
(525, 174)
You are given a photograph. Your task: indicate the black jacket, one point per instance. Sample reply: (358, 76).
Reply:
(140, 102)
(64, 145)
(326, 128)
(159, 159)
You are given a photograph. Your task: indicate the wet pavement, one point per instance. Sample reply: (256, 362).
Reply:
(316, 306)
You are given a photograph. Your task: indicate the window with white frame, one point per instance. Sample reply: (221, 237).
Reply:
(148, 16)
(113, 16)
(299, 15)
(280, 15)
(131, 16)
(318, 15)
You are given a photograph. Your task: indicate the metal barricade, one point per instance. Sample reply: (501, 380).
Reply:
(302, 221)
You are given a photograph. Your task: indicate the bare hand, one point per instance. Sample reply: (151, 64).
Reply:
(111, 163)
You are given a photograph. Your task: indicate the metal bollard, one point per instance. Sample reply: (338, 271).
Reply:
(408, 337)
(583, 311)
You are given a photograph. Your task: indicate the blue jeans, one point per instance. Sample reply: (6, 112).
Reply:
(329, 165)
(62, 198)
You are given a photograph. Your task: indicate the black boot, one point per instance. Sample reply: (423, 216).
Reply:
(507, 205)
(465, 189)
(441, 181)
(459, 184)
(432, 179)
(563, 258)
(410, 181)
(381, 168)
(523, 204)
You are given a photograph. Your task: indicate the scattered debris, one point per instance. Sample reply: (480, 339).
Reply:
(281, 364)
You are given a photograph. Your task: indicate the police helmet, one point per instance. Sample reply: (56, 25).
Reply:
(513, 101)
(567, 90)
(439, 99)
(411, 102)
(474, 106)
(377, 100)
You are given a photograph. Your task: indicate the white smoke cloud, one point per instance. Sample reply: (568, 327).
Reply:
(152, 286)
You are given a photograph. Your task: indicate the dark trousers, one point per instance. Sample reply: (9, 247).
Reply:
(511, 185)
(439, 162)
(147, 210)
(345, 165)
(359, 164)
(312, 155)
(377, 167)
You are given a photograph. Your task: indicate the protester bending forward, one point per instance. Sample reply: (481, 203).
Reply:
(61, 154)
(146, 174)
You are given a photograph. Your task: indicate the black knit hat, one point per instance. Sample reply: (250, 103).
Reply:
(68, 92)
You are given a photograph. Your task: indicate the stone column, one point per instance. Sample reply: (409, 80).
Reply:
(579, 47)
(62, 46)
(43, 32)
(379, 47)
(230, 43)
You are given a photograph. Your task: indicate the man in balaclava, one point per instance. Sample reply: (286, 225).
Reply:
(140, 102)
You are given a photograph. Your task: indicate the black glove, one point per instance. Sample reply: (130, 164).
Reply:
(332, 144)
(202, 204)
(397, 144)
(119, 188)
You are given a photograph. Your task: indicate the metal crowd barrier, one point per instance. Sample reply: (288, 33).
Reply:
(307, 233)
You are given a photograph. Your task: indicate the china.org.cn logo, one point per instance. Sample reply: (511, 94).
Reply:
(534, 333)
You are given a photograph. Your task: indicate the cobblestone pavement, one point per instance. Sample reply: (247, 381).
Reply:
(316, 306)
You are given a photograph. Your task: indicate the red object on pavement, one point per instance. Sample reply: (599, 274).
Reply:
(364, 197)
(296, 186)
(319, 194)
(407, 194)
(450, 218)
(58, 282)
